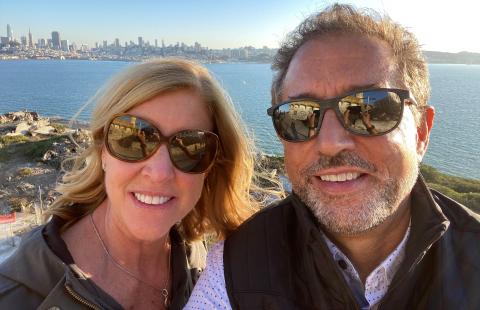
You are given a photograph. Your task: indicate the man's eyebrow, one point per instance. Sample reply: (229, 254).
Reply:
(352, 89)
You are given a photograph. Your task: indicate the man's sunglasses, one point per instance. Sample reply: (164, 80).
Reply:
(369, 112)
(133, 139)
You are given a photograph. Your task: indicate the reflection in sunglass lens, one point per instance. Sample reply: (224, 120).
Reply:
(132, 139)
(193, 151)
(371, 112)
(297, 120)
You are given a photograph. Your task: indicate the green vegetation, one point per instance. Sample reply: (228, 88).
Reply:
(25, 171)
(32, 150)
(36, 150)
(465, 191)
(7, 140)
(59, 128)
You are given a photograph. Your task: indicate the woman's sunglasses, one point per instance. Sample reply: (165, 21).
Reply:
(370, 112)
(133, 139)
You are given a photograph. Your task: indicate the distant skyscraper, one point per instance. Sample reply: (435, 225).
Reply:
(117, 42)
(23, 40)
(105, 44)
(42, 43)
(30, 40)
(140, 41)
(56, 44)
(64, 45)
(9, 33)
(156, 43)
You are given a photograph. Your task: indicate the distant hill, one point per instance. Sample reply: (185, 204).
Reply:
(452, 58)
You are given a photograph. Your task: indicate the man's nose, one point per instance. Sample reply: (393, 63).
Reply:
(159, 166)
(333, 138)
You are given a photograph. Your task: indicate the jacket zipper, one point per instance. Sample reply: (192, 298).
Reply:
(80, 299)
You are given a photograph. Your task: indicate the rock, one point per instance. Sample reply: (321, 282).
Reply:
(22, 128)
(44, 130)
(49, 155)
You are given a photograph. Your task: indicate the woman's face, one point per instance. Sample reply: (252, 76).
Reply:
(172, 193)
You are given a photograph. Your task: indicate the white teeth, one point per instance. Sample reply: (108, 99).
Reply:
(341, 177)
(151, 200)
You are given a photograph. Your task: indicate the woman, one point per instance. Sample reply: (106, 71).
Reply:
(168, 163)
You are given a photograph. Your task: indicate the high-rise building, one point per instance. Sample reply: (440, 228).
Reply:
(64, 45)
(9, 32)
(156, 43)
(105, 44)
(140, 41)
(23, 40)
(42, 43)
(56, 44)
(117, 42)
(30, 40)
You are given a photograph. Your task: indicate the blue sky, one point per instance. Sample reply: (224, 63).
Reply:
(440, 25)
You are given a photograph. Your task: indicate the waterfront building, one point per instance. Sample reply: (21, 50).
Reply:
(56, 44)
(140, 41)
(23, 41)
(117, 42)
(105, 45)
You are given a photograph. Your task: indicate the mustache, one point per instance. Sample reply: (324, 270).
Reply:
(344, 158)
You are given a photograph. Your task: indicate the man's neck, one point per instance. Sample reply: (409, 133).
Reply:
(369, 249)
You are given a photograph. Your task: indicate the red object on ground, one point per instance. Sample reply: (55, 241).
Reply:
(8, 218)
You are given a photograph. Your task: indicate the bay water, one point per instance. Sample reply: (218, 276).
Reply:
(61, 88)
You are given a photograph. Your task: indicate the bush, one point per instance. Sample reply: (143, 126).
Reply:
(7, 140)
(59, 128)
(460, 185)
(25, 171)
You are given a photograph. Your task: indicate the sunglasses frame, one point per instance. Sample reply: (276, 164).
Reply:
(333, 103)
(163, 139)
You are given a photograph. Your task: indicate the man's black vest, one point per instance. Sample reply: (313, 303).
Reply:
(278, 260)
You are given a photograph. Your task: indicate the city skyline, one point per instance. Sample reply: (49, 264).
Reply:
(438, 24)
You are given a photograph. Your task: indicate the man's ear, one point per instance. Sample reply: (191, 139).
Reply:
(423, 131)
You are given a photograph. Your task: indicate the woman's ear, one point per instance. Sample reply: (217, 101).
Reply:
(423, 131)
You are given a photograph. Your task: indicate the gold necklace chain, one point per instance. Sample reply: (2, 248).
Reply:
(163, 291)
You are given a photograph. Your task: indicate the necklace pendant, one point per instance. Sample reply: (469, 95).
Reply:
(165, 296)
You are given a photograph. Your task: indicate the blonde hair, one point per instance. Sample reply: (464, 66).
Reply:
(226, 199)
(410, 63)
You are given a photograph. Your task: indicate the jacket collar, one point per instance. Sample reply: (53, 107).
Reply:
(427, 226)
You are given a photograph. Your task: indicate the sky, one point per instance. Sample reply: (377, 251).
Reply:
(448, 26)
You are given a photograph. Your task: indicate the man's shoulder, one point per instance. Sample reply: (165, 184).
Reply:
(460, 217)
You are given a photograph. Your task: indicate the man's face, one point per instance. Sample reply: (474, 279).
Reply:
(351, 183)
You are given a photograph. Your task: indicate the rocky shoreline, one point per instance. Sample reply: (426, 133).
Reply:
(31, 151)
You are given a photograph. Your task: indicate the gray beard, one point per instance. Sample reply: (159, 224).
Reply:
(337, 214)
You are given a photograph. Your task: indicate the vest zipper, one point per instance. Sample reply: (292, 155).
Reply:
(80, 299)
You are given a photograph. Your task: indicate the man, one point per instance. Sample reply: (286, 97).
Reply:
(361, 230)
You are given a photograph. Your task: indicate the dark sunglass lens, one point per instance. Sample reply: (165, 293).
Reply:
(193, 151)
(371, 112)
(297, 121)
(132, 139)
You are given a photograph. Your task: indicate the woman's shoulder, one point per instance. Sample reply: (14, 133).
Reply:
(32, 269)
(17, 274)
